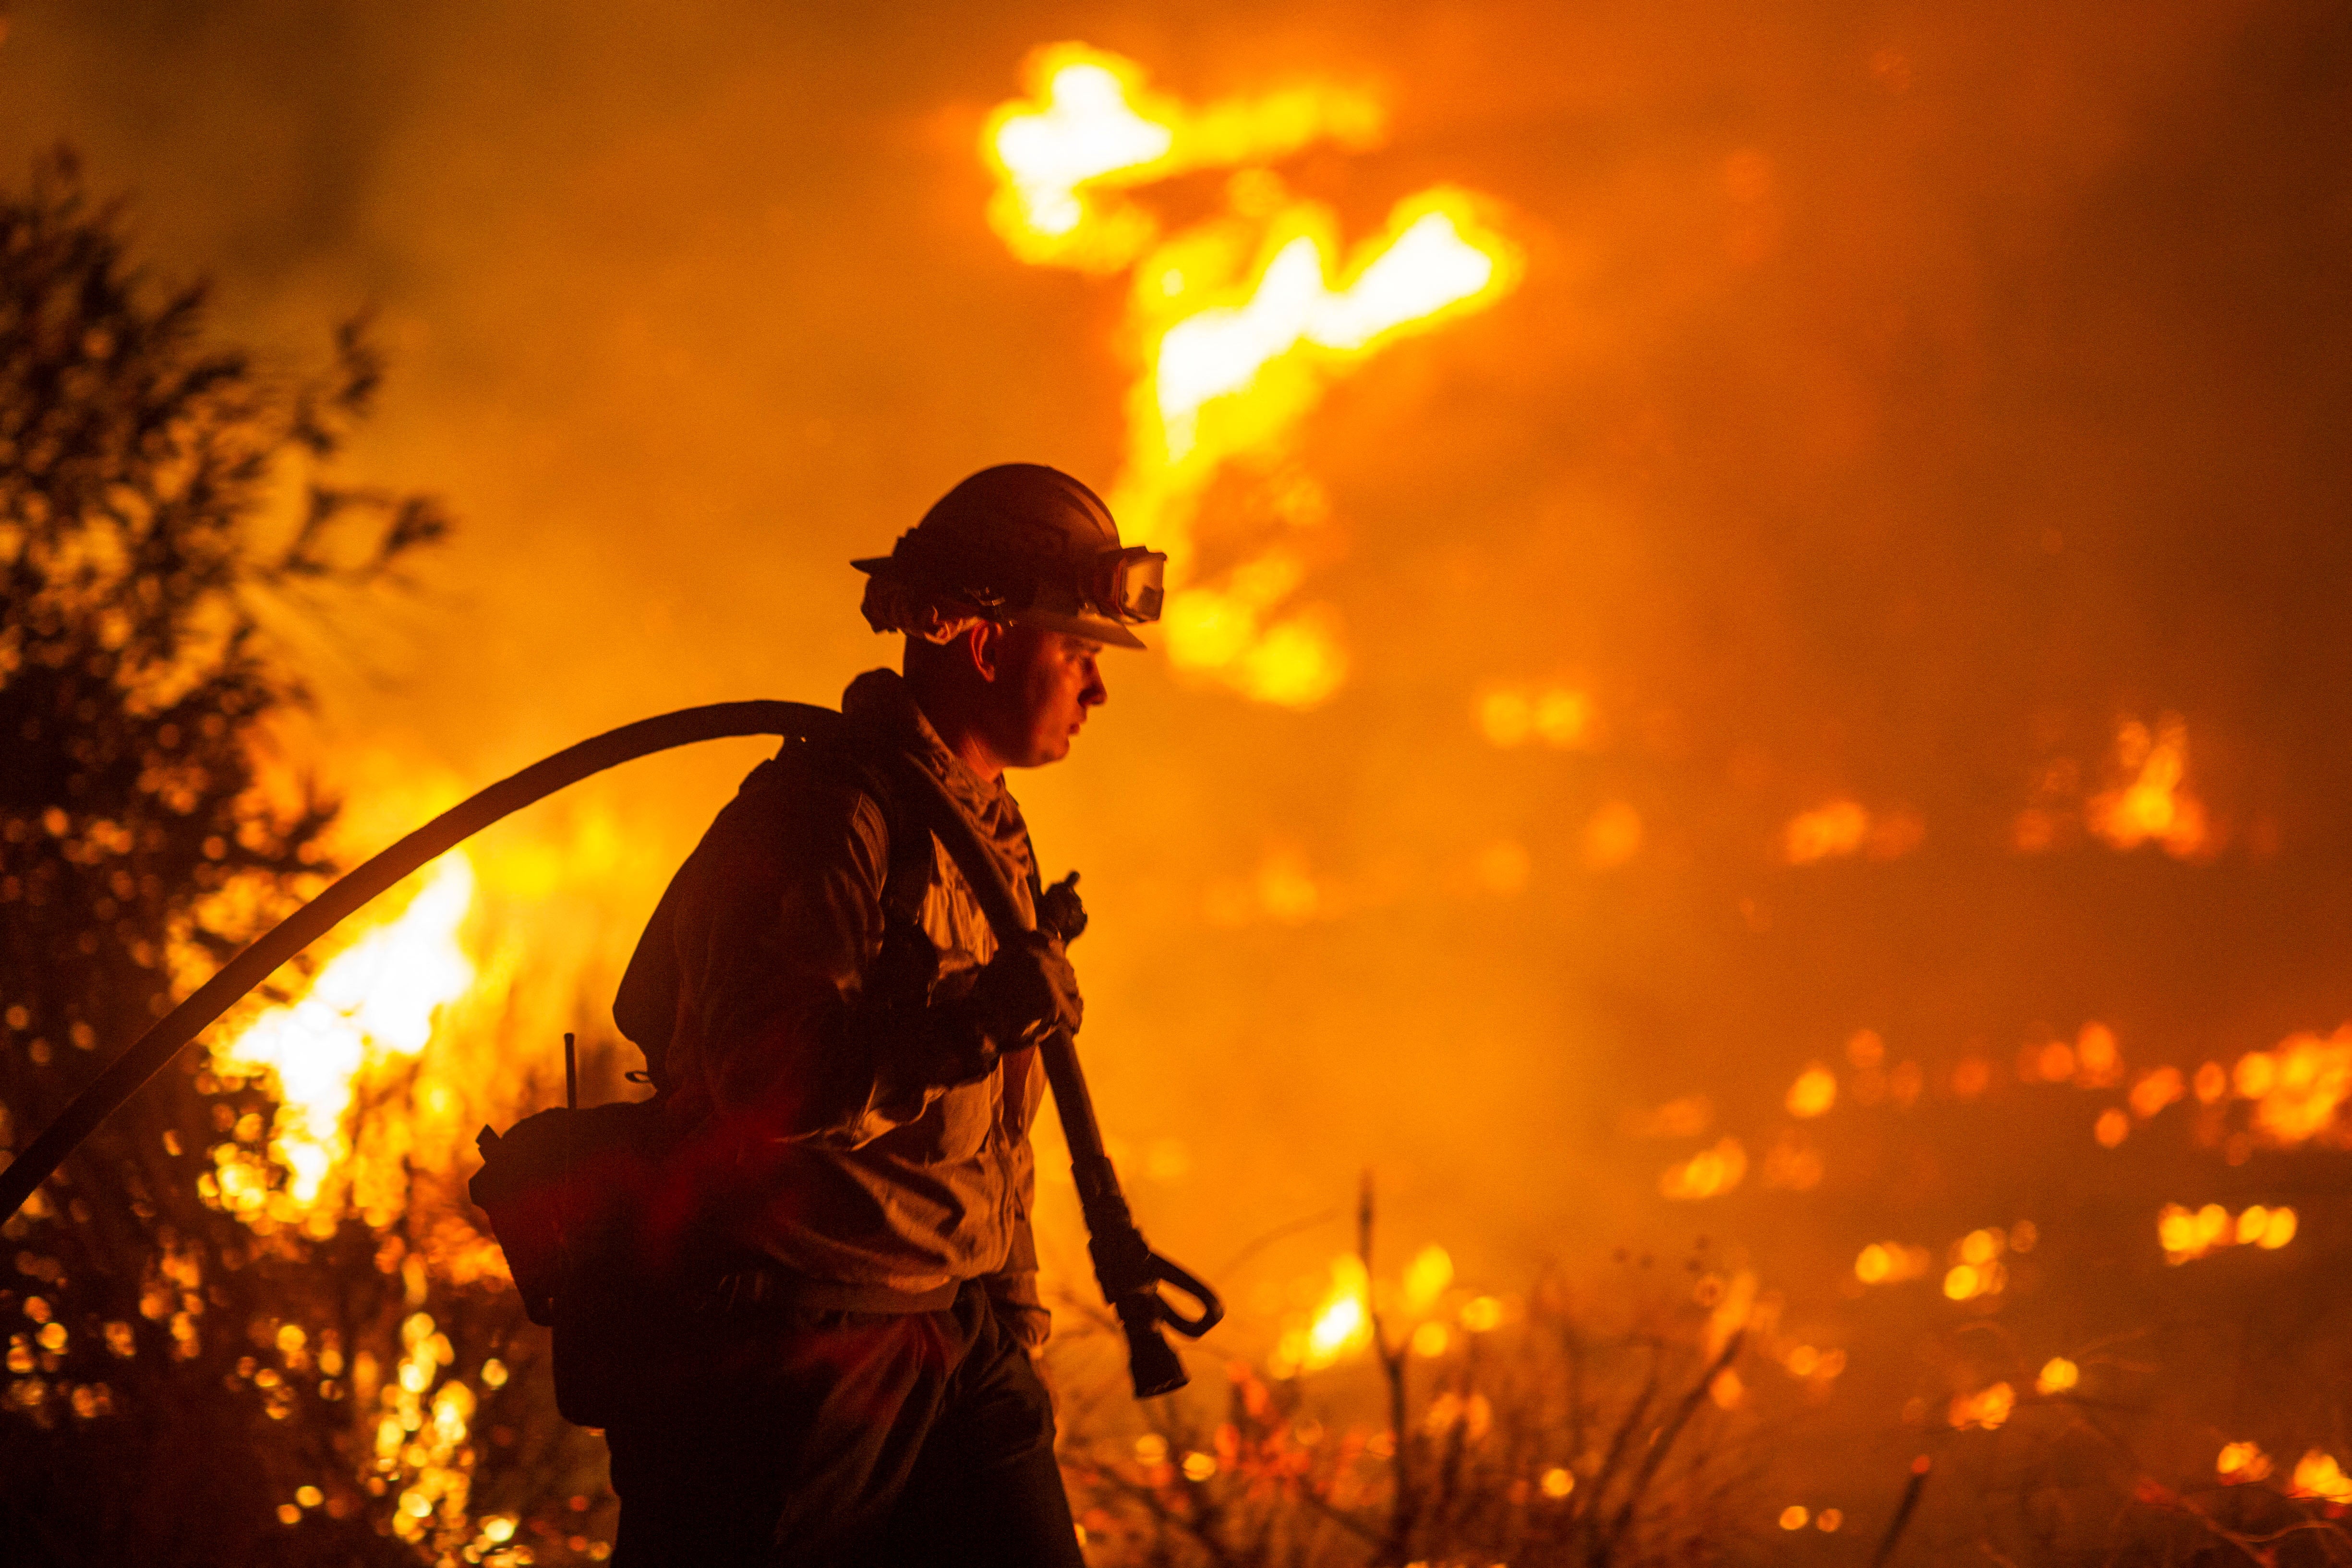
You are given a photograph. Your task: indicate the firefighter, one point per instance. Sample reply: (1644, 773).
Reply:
(836, 1368)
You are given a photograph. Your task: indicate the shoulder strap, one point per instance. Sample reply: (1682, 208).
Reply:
(912, 863)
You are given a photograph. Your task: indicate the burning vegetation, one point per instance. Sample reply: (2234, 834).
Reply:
(1972, 1282)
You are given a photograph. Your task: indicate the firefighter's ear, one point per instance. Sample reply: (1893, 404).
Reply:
(984, 646)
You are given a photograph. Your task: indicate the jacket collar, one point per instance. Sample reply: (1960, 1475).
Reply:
(882, 709)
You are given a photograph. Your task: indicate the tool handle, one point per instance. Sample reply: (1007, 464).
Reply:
(1129, 1271)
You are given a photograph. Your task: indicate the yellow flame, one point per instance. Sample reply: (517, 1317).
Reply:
(1092, 127)
(1343, 1324)
(2318, 1475)
(2242, 1462)
(2153, 805)
(1240, 322)
(374, 1000)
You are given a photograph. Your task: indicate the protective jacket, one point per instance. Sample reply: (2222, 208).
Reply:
(821, 1154)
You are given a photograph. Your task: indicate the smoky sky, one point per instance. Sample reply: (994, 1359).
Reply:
(1897, 397)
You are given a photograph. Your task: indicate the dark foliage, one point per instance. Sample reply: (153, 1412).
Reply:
(145, 1322)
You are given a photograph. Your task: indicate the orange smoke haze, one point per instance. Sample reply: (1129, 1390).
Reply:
(1835, 585)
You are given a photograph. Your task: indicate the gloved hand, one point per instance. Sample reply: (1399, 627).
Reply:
(1026, 992)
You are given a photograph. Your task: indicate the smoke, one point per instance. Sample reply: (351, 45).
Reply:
(1894, 404)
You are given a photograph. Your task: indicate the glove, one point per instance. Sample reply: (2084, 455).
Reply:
(1026, 992)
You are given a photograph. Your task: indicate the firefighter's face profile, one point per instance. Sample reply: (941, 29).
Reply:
(1043, 684)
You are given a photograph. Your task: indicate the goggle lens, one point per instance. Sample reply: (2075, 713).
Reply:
(1131, 584)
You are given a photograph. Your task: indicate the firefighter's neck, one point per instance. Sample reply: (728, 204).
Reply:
(960, 732)
(956, 705)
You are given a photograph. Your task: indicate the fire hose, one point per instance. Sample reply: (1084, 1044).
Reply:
(1129, 1271)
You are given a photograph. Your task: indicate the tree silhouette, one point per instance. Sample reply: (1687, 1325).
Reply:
(164, 1400)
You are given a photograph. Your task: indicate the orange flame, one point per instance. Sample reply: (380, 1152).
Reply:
(1092, 128)
(2318, 1475)
(373, 1001)
(2242, 1462)
(1241, 321)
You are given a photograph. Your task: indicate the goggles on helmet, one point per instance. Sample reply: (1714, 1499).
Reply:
(1126, 584)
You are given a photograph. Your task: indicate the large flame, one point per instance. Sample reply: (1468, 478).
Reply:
(1241, 322)
(375, 1000)
(1092, 128)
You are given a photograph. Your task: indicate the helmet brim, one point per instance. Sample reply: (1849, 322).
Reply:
(1093, 628)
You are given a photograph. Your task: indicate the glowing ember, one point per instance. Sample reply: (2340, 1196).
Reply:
(1707, 1173)
(2098, 1061)
(1426, 1277)
(2318, 1475)
(1555, 716)
(2298, 1087)
(1975, 1266)
(1987, 1409)
(2153, 805)
(2242, 1462)
(374, 999)
(1825, 833)
(1612, 835)
(1843, 828)
(2155, 1090)
(2187, 1233)
(1241, 322)
(1814, 1091)
(1890, 1262)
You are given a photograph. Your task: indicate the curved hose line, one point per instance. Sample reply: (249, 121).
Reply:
(147, 1055)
